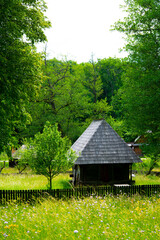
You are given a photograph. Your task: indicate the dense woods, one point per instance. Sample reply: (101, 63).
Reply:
(124, 92)
(72, 95)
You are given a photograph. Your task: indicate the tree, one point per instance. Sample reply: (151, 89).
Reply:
(141, 84)
(62, 94)
(98, 106)
(49, 154)
(22, 24)
(21, 157)
(68, 90)
(74, 91)
(92, 81)
(110, 70)
(2, 166)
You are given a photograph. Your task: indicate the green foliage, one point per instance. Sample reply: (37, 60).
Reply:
(68, 90)
(110, 70)
(22, 24)
(3, 160)
(92, 81)
(61, 94)
(3, 157)
(22, 158)
(119, 127)
(68, 97)
(101, 109)
(49, 154)
(23, 19)
(150, 162)
(2, 166)
(141, 85)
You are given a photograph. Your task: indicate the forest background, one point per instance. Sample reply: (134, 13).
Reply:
(124, 92)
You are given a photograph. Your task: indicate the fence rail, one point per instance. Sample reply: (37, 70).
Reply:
(32, 195)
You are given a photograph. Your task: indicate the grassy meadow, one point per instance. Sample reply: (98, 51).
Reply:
(32, 181)
(90, 218)
(11, 180)
(142, 179)
(111, 217)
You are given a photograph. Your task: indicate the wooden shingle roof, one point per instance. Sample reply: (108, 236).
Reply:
(100, 144)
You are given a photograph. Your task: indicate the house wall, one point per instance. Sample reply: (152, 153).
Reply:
(103, 173)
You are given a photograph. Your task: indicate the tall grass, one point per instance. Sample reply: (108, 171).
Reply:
(91, 218)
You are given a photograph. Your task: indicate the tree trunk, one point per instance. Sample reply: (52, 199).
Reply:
(153, 164)
(50, 182)
(1, 168)
(150, 170)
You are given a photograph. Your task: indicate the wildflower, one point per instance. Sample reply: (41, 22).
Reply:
(5, 235)
(75, 231)
(6, 227)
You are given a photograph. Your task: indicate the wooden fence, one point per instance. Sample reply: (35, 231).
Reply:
(32, 195)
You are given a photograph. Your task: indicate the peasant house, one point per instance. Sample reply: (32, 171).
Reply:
(103, 157)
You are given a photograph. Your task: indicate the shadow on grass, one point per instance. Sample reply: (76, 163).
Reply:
(66, 184)
(61, 184)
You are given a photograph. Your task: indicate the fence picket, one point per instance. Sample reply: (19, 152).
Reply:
(30, 195)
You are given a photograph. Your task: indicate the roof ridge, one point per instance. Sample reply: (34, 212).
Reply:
(100, 143)
(90, 139)
(83, 134)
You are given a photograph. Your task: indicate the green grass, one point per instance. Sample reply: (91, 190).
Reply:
(91, 218)
(142, 179)
(14, 181)
(14, 170)
(11, 180)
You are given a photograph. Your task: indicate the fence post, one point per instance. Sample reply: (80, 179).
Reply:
(57, 193)
(142, 190)
(3, 194)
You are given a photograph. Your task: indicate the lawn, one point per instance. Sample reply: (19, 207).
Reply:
(11, 180)
(142, 179)
(90, 218)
